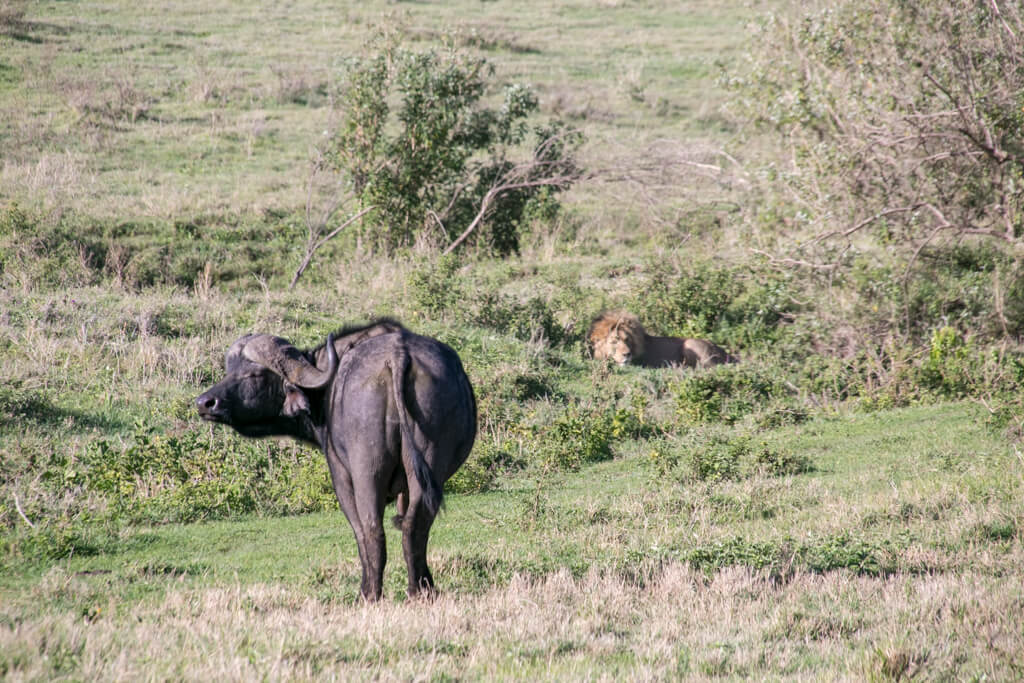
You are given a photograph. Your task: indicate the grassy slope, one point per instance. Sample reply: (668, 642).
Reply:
(899, 554)
(227, 104)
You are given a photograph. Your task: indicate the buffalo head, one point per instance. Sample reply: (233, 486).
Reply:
(264, 391)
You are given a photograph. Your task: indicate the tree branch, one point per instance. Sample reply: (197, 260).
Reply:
(539, 171)
(317, 243)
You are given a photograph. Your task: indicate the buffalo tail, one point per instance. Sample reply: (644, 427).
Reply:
(412, 457)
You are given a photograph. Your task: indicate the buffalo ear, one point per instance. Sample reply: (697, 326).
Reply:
(295, 401)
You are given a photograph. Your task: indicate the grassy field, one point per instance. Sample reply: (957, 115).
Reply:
(803, 514)
(894, 555)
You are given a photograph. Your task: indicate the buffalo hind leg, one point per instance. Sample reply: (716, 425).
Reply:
(415, 531)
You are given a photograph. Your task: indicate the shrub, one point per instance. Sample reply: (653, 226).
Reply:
(437, 287)
(688, 304)
(718, 458)
(574, 438)
(947, 370)
(714, 454)
(435, 157)
(904, 146)
(725, 393)
(707, 300)
(522, 320)
(153, 477)
(480, 471)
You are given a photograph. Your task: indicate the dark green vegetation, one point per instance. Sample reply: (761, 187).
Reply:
(843, 503)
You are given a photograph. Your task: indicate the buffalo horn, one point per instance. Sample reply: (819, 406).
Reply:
(280, 356)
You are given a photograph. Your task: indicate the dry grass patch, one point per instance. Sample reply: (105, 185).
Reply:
(676, 622)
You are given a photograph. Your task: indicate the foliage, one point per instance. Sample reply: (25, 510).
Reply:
(76, 251)
(713, 300)
(428, 161)
(947, 370)
(528, 320)
(685, 304)
(725, 393)
(436, 287)
(890, 110)
(154, 477)
(715, 455)
(841, 551)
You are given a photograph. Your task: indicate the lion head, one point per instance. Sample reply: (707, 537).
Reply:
(617, 336)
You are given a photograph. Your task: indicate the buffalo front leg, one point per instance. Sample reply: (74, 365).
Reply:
(375, 555)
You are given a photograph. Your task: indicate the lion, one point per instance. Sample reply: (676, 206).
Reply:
(619, 336)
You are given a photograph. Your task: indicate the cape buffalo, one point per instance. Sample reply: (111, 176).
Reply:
(393, 412)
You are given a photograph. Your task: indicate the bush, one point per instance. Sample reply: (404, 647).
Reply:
(688, 304)
(714, 454)
(437, 287)
(948, 370)
(729, 304)
(158, 478)
(904, 146)
(725, 393)
(575, 438)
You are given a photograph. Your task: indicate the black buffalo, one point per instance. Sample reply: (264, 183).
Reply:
(393, 412)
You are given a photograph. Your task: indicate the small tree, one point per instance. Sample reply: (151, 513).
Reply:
(904, 119)
(418, 145)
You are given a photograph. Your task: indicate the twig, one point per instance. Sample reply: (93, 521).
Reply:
(995, 9)
(17, 506)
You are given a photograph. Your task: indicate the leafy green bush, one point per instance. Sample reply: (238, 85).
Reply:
(486, 462)
(947, 370)
(575, 438)
(523, 320)
(154, 477)
(840, 551)
(713, 454)
(780, 463)
(733, 305)
(688, 304)
(718, 458)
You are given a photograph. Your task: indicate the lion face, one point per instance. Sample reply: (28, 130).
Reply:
(618, 337)
(615, 347)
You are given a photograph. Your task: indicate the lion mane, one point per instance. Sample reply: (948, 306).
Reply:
(620, 337)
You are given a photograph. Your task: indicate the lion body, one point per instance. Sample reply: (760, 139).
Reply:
(620, 337)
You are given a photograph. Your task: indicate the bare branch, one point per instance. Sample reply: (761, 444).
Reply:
(793, 262)
(502, 186)
(995, 10)
(864, 223)
(315, 244)
(21, 513)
